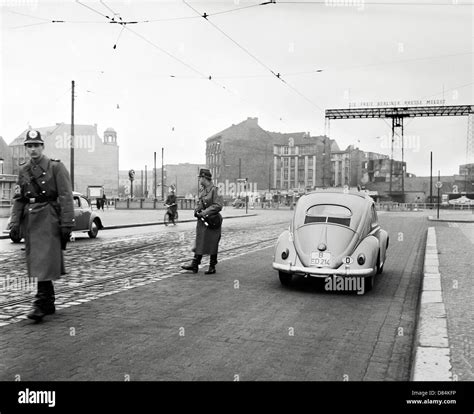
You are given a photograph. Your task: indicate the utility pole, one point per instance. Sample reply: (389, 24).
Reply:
(72, 138)
(269, 176)
(240, 167)
(146, 182)
(162, 174)
(403, 161)
(391, 159)
(431, 176)
(198, 183)
(246, 196)
(141, 181)
(154, 172)
(439, 180)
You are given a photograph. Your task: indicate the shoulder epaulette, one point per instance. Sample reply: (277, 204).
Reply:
(54, 159)
(22, 163)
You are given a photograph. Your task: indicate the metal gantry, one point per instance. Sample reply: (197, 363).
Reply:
(397, 114)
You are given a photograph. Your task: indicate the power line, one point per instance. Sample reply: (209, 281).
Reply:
(336, 3)
(112, 20)
(261, 63)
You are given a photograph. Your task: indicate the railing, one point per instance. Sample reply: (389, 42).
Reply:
(149, 204)
(420, 206)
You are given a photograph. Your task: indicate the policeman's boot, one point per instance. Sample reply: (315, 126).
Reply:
(194, 266)
(212, 265)
(49, 307)
(37, 312)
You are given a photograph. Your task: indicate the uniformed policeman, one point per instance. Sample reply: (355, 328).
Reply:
(43, 207)
(207, 236)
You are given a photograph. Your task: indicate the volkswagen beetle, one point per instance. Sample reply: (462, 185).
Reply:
(332, 235)
(86, 220)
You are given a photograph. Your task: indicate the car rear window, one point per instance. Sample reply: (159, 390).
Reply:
(328, 213)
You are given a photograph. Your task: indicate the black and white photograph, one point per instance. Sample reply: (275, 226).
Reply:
(237, 191)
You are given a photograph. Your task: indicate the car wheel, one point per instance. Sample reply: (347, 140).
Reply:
(369, 283)
(379, 268)
(285, 278)
(94, 230)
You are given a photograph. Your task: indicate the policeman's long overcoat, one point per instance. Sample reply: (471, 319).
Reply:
(207, 240)
(41, 221)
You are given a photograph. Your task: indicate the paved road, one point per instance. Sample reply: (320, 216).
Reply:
(455, 245)
(162, 324)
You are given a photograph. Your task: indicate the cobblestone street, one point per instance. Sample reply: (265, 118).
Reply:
(126, 310)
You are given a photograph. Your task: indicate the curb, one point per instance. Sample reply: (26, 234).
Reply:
(154, 223)
(432, 352)
(430, 218)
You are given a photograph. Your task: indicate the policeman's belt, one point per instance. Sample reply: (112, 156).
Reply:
(41, 199)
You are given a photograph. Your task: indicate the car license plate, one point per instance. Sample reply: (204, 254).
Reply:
(322, 259)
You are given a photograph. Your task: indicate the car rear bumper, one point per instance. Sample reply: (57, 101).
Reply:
(322, 272)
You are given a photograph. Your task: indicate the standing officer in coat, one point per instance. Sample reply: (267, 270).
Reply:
(43, 207)
(207, 238)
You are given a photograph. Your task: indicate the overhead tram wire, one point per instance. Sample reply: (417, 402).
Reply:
(236, 9)
(261, 63)
(325, 2)
(156, 46)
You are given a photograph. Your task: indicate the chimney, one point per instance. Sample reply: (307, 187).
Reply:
(252, 121)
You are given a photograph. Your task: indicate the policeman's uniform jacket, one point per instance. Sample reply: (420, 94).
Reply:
(42, 204)
(207, 239)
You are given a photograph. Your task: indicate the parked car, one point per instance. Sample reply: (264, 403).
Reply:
(332, 234)
(86, 220)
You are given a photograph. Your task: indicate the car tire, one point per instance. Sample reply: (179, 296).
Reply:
(379, 268)
(369, 283)
(285, 278)
(94, 230)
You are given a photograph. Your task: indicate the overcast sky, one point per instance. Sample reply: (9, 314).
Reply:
(153, 87)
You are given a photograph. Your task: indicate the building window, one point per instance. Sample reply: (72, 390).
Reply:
(285, 150)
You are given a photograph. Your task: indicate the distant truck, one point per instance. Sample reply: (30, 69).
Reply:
(95, 191)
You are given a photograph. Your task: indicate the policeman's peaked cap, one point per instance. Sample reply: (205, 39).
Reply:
(33, 137)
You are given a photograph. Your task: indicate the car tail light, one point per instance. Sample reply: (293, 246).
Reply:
(361, 259)
(285, 254)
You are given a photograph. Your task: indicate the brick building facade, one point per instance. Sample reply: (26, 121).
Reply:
(96, 160)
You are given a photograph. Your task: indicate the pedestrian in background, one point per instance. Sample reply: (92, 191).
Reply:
(43, 207)
(171, 204)
(208, 228)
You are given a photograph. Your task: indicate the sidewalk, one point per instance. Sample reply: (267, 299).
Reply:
(445, 332)
(116, 219)
(458, 216)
